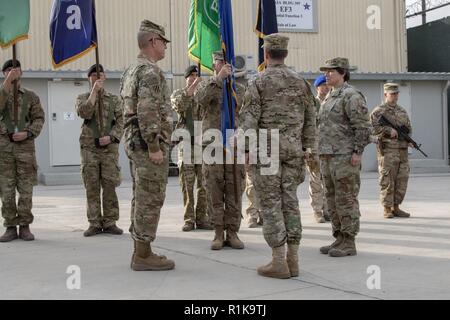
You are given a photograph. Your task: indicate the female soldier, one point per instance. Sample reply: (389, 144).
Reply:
(344, 131)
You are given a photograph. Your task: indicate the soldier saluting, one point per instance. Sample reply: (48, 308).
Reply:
(99, 142)
(18, 167)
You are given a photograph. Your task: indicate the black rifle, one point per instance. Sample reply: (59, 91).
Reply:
(403, 133)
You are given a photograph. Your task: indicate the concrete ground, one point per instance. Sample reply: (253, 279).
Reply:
(411, 256)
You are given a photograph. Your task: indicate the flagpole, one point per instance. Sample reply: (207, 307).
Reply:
(233, 154)
(100, 100)
(15, 91)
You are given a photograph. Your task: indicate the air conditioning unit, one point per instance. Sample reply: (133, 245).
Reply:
(245, 63)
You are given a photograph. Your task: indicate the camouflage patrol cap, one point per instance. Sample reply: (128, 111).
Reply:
(337, 63)
(391, 87)
(218, 55)
(148, 26)
(276, 41)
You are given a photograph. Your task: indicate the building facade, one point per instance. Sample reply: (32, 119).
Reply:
(371, 33)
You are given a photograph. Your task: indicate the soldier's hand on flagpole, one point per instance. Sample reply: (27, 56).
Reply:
(104, 141)
(98, 85)
(156, 157)
(191, 89)
(225, 72)
(13, 74)
(20, 136)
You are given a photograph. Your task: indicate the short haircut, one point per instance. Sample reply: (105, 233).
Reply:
(277, 54)
(143, 38)
(345, 73)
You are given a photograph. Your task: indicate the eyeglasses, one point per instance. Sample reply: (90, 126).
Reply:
(159, 38)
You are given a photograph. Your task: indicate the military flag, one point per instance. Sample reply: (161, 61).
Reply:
(14, 21)
(229, 88)
(204, 32)
(266, 23)
(73, 30)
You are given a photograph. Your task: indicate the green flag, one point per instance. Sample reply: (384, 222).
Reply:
(204, 32)
(14, 21)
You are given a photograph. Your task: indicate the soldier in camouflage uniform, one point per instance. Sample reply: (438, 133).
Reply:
(393, 162)
(224, 208)
(316, 192)
(188, 112)
(99, 142)
(253, 211)
(344, 132)
(147, 133)
(18, 168)
(281, 99)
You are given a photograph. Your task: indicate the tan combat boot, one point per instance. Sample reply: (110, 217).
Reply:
(346, 248)
(233, 240)
(145, 260)
(278, 267)
(337, 242)
(134, 253)
(292, 259)
(9, 235)
(25, 233)
(217, 243)
(400, 213)
(388, 213)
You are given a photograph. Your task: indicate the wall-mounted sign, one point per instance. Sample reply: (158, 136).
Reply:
(297, 15)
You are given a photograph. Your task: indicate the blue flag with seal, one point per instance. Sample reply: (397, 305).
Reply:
(266, 23)
(73, 30)
(229, 87)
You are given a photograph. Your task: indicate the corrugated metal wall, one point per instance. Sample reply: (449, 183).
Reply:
(342, 32)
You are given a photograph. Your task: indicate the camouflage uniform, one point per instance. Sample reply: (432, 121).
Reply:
(253, 209)
(148, 127)
(223, 209)
(188, 113)
(280, 99)
(100, 166)
(344, 128)
(316, 193)
(18, 167)
(393, 162)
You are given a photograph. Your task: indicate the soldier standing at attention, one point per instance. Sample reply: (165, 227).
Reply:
(392, 152)
(148, 129)
(223, 207)
(195, 216)
(280, 99)
(99, 144)
(344, 132)
(18, 167)
(316, 192)
(253, 211)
